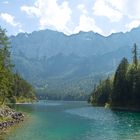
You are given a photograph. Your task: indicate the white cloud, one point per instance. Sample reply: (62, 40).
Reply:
(9, 19)
(50, 13)
(132, 9)
(111, 32)
(32, 11)
(103, 8)
(5, 2)
(133, 24)
(82, 8)
(87, 24)
(58, 15)
(21, 30)
(117, 4)
(126, 7)
(129, 9)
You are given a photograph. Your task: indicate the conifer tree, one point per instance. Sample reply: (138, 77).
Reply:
(9, 90)
(135, 57)
(120, 84)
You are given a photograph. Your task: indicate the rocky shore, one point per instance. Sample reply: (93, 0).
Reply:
(9, 117)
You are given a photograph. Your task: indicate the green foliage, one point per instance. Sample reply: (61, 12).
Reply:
(124, 89)
(22, 89)
(12, 85)
(135, 57)
(72, 89)
(5, 67)
(119, 94)
(101, 93)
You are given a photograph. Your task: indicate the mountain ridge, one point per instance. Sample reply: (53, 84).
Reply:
(75, 33)
(48, 57)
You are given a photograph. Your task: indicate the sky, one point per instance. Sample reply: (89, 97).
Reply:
(69, 16)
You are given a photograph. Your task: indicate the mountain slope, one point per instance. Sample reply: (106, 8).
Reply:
(53, 61)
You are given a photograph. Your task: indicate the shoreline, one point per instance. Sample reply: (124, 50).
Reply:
(9, 118)
(23, 103)
(126, 109)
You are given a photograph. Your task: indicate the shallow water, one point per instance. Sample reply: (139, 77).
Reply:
(58, 120)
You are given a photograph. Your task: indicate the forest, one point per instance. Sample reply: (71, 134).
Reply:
(122, 90)
(13, 88)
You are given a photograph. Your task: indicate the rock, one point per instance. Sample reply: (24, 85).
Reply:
(1, 126)
(12, 116)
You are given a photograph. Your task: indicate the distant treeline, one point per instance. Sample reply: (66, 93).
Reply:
(73, 89)
(122, 90)
(65, 97)
(13, 88)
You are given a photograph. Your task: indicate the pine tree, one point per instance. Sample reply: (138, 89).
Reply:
(9, 90)
(135, 57)
(5, 67)
(118, 96)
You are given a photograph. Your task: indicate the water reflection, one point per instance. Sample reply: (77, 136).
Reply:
(75, 121)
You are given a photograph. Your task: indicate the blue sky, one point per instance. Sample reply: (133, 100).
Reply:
(70, 16)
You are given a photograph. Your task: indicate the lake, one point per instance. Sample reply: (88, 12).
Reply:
(60, 120)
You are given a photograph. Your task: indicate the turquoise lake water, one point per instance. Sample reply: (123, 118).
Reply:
(58, 120)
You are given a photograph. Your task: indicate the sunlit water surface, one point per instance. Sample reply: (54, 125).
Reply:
(58, 120)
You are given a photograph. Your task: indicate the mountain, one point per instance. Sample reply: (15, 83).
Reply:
(69, 66)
